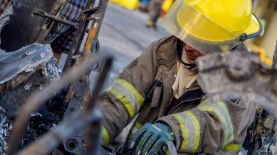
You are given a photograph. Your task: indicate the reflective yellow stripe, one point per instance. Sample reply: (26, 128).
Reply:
(105, 135)
(232, 147)
(196, 126)
(184, 131)
(190, 131)
(205, 100)
(166, 151)
(222, 104)
(128, 95)
(132, 89)
(220, 117)
(138, 125)
(121, 97)
(221, 111)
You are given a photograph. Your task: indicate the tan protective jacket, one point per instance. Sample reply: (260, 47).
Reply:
(145, 86)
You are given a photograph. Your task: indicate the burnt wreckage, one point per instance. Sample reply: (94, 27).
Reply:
(27, 67)
(241, 74)
(38, 104)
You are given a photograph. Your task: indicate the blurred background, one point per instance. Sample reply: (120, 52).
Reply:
(266, 10)
(125, 32)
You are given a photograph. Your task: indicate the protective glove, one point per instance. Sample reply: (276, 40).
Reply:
(150, 139)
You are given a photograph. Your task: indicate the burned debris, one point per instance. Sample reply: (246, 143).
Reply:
(243, 74)
(45, 109)
(32, 68)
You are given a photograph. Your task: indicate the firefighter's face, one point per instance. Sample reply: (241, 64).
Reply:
(192, 54)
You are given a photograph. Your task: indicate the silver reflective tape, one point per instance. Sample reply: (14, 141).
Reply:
(228, 126)
(131, 98)
(191, 131)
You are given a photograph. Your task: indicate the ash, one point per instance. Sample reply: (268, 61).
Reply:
(52, 71)
(5, 128)
(269, 145)
(43, 120)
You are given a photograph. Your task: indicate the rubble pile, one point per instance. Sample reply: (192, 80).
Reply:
(22, 83)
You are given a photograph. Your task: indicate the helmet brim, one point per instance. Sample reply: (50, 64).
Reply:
(194, 28)
(254, 26)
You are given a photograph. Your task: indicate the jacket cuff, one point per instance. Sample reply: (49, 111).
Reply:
(175, 129)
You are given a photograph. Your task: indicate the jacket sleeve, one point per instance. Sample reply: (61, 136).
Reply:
(212, 127)
(127, 93)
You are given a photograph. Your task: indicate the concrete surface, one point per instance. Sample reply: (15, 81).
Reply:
(124, 35)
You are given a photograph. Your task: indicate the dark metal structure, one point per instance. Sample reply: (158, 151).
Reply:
(39, 17)
(223, 75)
(23, 28)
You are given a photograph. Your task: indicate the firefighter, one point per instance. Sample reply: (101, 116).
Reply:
(160, 87)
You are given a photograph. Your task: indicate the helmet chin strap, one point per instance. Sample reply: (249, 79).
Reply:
(180, 47)
(243, 37)
(189, 66)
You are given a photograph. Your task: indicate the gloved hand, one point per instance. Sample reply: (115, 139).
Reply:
(150, 138)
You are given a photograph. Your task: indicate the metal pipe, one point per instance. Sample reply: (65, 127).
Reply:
(94, 29)
(93, 130)
(92, 37)
(44, 14)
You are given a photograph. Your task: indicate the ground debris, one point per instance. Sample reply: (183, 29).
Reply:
(13, 96)
(5, 128)
(51, 70)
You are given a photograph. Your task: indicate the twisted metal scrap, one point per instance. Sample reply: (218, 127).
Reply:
(35, 101)
(239, 74)
(47, 143)
(40, 97)
(23, 60)
(82, 119)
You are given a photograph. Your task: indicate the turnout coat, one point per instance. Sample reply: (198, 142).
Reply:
(144, 88)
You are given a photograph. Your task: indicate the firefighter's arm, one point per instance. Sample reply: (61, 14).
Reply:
(212, 127)
(126, 95)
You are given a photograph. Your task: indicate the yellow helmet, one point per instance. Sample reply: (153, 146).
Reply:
(212, 25)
